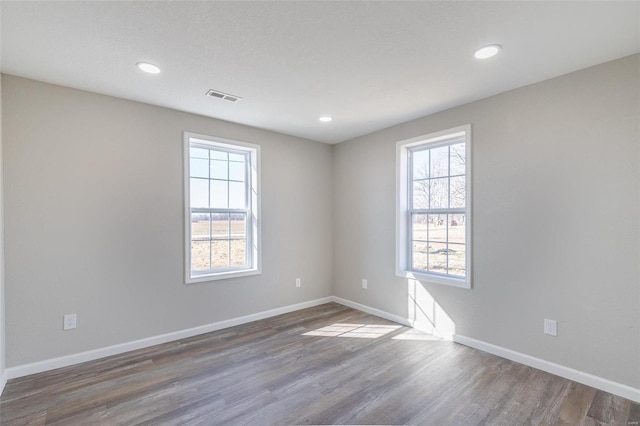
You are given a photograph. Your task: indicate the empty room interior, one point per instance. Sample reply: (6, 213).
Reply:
(311, 212)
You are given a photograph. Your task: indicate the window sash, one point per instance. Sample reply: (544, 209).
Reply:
(412, 212)
(210, 238)
(248, 261)
(410, 171)
(428, 240)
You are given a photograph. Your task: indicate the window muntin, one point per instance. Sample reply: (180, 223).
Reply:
(433, 235)
(221, 204)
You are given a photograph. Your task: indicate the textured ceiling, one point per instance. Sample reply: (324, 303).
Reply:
(370, 65)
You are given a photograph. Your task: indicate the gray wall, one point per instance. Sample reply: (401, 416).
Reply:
(556, 222)
(94, 222)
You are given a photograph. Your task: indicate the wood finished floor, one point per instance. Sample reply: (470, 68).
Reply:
(324, 365)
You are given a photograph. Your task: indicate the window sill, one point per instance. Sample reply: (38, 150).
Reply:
(436, 279)
(222, 276)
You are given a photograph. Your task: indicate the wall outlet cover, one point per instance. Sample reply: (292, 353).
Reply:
(70, 321)
(550, 327)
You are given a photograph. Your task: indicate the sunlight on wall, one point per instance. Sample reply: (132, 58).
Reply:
(424, 312)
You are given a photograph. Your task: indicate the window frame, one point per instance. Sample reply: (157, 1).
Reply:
(403, 206)
(252, 194)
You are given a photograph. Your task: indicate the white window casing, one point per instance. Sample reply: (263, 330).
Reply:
(433, 207)
(221, 208)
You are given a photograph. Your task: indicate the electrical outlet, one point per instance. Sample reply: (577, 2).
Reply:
(298, 282)
(551, 327)
(364, 283)
(69, 322)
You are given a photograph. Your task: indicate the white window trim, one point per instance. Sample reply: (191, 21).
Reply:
(256, 255)
(402, 213)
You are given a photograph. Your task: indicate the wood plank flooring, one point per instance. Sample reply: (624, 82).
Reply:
(324, 365)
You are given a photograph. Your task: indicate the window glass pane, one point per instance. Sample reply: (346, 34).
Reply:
(238, 253)
(219, 195)
(457, 159)
(198, 168)
(420, 194)
(439, 161)
(236, 157)
(220, 253)
(237, 195)
(457, 259)
(237, 171)
(239, 239)
(200, 255)
(199, 153)
(457, 228)
(200, 226)
(439, 193)
(219, 169)
(219, 155)
(438, 257)
(437, 227)
(420, 164)
(227, 229)
(457, 192)
(419, 255)
(420, 227)
(238, 225)
(199, 192)
(220, 226)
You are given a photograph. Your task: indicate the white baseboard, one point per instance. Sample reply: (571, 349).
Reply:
(553, 368)
(67, 360)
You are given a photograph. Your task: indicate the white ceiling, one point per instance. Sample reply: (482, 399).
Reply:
(369, 64)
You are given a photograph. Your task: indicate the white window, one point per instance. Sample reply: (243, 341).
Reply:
(433, 235)
(222, 223)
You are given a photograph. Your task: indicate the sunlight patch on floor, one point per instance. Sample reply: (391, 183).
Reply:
(362, 331)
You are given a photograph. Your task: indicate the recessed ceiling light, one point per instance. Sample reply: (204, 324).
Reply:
(147, 67)
(325, 119)
(487, 51)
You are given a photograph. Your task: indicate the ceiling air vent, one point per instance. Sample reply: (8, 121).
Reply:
(222, 95)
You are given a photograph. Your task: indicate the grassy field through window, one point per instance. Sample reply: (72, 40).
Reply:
(218, 243)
